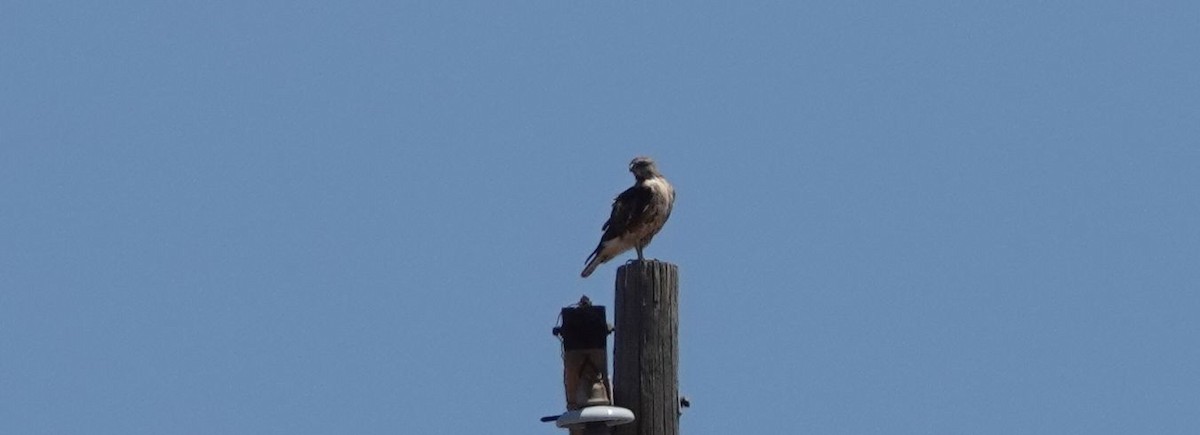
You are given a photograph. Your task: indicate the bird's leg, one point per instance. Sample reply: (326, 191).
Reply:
(639, 251)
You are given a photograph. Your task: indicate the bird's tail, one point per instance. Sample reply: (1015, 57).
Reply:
(591, 267)
(593, 261)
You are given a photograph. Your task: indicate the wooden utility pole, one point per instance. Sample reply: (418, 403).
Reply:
(646, 354)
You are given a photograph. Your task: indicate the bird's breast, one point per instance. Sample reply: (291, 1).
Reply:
(664, 194)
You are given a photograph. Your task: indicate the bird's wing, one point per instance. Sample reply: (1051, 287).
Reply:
(627, 208)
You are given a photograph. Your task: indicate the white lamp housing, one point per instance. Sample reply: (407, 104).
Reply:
(611, 415)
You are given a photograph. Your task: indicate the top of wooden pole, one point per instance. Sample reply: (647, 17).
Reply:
(645, 269)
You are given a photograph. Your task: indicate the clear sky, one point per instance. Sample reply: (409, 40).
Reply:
(313, 217)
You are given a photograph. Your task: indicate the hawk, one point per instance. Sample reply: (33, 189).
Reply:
(638, 214)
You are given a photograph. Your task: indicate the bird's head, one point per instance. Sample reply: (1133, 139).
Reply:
(643, 168)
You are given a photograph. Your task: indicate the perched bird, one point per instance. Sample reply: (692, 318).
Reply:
(638, 214)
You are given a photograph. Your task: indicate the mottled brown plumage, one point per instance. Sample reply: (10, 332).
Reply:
(637, 215)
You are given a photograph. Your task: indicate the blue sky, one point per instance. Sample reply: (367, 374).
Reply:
(362, 217)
